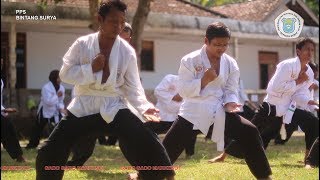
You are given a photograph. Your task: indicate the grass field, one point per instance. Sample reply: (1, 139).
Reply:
(110, 163)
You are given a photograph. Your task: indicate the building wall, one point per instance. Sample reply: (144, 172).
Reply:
(167, 56)
(248, 60)
(44, 53)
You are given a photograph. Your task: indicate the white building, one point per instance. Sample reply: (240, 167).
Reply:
(174, 28)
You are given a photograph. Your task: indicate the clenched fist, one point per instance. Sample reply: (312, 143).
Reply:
(208, 76)
(98, 63)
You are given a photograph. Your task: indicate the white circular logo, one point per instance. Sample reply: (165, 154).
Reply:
(288, 24)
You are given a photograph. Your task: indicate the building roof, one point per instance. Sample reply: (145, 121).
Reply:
(160, 21)
(163, 6)
(255, 10)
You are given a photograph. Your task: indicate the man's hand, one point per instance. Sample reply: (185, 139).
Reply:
(302, 78)
(98, 63)
(9, 110)
(64, 112)
(152, 114)
(313, 86)
(177, 98)
(59, 94)
(312, 102)
(208, 76)
(232, 107)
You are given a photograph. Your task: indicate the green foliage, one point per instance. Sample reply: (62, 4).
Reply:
(210, 3)
(314, 6)
(44, 3)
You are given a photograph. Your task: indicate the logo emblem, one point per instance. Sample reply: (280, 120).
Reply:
(288, 24)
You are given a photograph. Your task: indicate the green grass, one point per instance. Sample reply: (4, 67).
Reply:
(283, 161)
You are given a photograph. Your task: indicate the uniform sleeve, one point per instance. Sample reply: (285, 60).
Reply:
(2, 107)
(76, 69)
(132, 88)
(50, 98)
(281, 82)
(242, 94)
(232, 84)
(61, 99)
(188, 86)
(163, 92)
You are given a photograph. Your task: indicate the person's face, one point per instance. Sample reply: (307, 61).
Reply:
(306, 53)
(113, 23)
(58, 80)
(126, 36)
(217, 46)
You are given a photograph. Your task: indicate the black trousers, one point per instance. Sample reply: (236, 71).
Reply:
(82, 150)
(269, 126)
(162, 127)
(313, 157)
(241, 130)
(84, 147)
(112, 140)
(9, 138)
(139, 146)
(247, 113)
(38, 127)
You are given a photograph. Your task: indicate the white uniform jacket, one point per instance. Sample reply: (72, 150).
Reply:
(50, 102)
(2, 107)
(164, 93)
(282, 89)
(204, 107)
(91, 96)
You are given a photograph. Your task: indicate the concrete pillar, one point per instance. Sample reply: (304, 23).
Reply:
(294, 52)
(12, 64)
(235, 48)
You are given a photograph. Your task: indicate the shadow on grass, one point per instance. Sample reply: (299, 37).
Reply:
(106, 175)
(289, 165)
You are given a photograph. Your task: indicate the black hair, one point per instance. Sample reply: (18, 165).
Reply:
(303, 41)
(106, 6)
(53, 77)
(314, 66)
(127, 28)
(217, 29)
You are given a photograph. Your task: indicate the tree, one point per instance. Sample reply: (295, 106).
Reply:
(138, 21)
(210, 3)
(314, 6)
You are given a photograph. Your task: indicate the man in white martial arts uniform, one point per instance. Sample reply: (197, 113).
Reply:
(312, 108)
(208, 83)
(168, 103)
(288, 96)
(9, 137)
(103, 69)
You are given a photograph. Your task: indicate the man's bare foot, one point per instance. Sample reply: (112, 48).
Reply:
(219, 158)
(133, 176)
(308, 166)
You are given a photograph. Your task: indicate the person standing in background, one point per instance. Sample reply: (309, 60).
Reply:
(51, 108)
(168, 103)
(9, 137)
